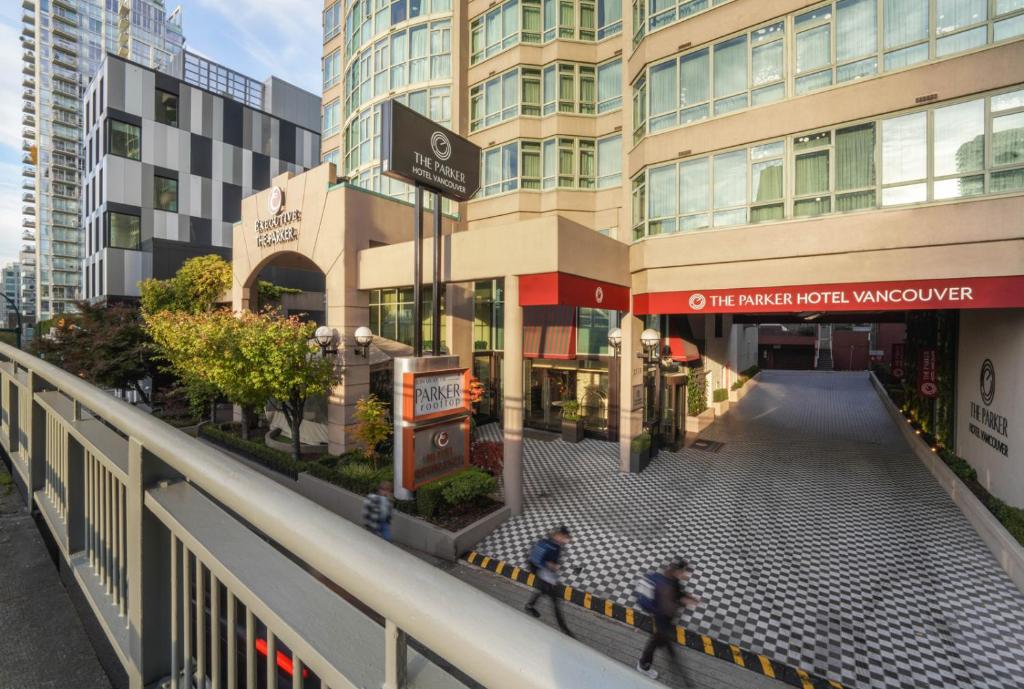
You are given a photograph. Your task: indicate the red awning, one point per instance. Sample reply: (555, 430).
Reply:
(563, 289)
(549, 332)
(682, 344)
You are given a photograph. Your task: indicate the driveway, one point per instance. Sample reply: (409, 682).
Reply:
(818, 539)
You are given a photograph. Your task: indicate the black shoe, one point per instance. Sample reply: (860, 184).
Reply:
(532, 610)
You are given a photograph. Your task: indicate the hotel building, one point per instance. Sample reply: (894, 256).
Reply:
(690, 166)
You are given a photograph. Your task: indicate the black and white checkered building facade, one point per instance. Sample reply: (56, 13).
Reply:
(167, 164)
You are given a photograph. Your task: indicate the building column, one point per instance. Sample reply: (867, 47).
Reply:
(347, 309)
(512, 474)
(630, 374)
(459, 312)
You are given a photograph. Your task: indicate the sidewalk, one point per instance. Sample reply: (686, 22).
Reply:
(42, 642)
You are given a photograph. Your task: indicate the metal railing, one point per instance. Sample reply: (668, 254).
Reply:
(204, 573)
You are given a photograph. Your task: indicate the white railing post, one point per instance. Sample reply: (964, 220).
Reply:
(149, 567)
(395, 666)
(35, 434)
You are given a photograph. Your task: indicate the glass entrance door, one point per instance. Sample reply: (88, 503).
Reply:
(488, 370)
(549, 389)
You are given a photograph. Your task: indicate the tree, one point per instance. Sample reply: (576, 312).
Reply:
(251, 357)
(373, 425)
(106, 345)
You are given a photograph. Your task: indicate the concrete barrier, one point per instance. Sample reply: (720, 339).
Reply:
(1006, 549)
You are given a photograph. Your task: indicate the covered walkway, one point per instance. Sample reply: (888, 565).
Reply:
(818, 538)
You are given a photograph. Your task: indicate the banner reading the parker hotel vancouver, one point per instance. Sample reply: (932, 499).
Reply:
(927, 376)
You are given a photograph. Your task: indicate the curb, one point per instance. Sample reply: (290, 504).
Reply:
(754, 662)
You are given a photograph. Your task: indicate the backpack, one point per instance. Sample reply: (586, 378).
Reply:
(535, 560)
(647, 592)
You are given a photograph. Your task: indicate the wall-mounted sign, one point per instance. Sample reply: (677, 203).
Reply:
(903, 295)
(279, 227)
(927, 376)
(638, 397)
(899, 364)
(434, 451)
(434, 394)
(417, 150)
(986, 424)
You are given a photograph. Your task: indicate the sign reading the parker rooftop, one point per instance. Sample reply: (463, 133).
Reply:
(279, 227)
(435, 394)
(417, 150)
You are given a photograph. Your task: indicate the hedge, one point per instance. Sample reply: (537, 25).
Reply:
(463, 488)
(720, 395)
(280, 462)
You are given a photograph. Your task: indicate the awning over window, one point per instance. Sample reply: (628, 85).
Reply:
(571, 290)
(681, 342)
(549, 332)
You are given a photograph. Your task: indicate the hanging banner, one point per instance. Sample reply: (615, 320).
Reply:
(898, 363)
(927, 377)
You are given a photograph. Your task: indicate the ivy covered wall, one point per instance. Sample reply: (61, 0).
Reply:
(932, 330)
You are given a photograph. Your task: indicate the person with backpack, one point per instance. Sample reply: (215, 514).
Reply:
(661, 594)
(544, 561)
(377, 511)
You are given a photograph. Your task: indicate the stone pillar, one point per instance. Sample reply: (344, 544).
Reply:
(630, 375)
(347, 309)
(459, 321)
(513, 396)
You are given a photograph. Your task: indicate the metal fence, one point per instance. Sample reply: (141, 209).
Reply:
(204, 573)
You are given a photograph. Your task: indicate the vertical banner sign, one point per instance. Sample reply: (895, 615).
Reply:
(899, 365)
(927, 380)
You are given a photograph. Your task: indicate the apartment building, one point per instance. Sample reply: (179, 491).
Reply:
(63, 43)
(169, 159)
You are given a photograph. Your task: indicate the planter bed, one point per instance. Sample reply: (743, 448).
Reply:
(696, 424)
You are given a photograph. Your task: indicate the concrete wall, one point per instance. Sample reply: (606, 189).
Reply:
(997, 336)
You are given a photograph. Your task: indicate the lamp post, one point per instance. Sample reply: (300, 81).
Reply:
(363, 337)
(650, 339)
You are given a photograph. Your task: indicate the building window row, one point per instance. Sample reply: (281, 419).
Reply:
(562, 87)
(831, 44)
(367, 19)
(558, 162)
(332, 69)
(541, 21)
(651, 15)
(408, 57)
(124, 139)
(967, 148)
(391, 314)
(332, 20)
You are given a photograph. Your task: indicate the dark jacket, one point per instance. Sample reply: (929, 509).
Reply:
(667, 595)
(546, 550)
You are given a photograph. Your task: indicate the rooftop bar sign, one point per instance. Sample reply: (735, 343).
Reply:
(417, 150)
(435, 394)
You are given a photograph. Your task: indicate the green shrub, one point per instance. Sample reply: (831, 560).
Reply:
(429, 498)
(258, 452)
(571, 411)
(749, 373)
(360, 477)
(468, 486)
(696, 392)
(720, 395)
(640, 443)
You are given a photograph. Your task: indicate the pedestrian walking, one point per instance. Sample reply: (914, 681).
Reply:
(662, 594)
(544, 561)
(377, 511)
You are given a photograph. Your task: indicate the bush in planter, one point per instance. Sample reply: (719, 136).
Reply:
(571, 411)
(256, 451)
(720, 395)
(749, 373)
(373, 427)
(739, 382)
(641, 443)
(696, 392)
(429, 498)
(488, 455)
(468, 487)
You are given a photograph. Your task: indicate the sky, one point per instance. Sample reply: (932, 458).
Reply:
(255, 37)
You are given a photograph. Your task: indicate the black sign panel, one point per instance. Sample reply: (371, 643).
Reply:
(417, 150)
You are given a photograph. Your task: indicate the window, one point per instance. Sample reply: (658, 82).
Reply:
(166, 108)
(391, 314)
(609, 162)
(949, 151)
(331, 156)
(609, 18)
(332, 21)
(123, 231)
(331, 118)
(125, 139)
(657, 14)
(500, 169)
(332, 69)
(165, 194)
(609, 86)
(540, 21)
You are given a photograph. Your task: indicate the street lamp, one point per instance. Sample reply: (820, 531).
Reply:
(650, 339)
(615, 340)
(325, 340)
(363, 336)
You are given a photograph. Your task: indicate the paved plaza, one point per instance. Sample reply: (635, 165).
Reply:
(818, 539)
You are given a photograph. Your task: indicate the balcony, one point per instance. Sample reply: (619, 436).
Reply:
(28, 18)
(28, 94)
(70, 46)
(28, 82)
(28, 31)
(29, 185)
(28, 107)
(68, 105)
(28, 222)
(29, 171)
(28, 198)
(27, 236)
(28, 134)
(65, 60)
(28, 56)
(65, 4)
(29, 210)
(65, 13)
(28, 5)
(27, 145)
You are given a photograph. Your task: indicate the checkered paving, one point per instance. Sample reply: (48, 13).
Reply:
(818, 539)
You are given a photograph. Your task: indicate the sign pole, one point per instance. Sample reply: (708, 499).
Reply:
(417, 272)
(435, 331)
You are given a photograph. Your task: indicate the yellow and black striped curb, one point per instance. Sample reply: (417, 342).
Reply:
(754, 662)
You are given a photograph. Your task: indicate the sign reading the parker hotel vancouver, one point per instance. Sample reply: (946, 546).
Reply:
(280, 226)
(440, 448)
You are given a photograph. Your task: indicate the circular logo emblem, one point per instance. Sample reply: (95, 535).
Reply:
(276, 200)
(988, 382)
(698, 301)
(929, 388)
(441, 146)
(897, 372)
(599, 295)
(441, 439)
